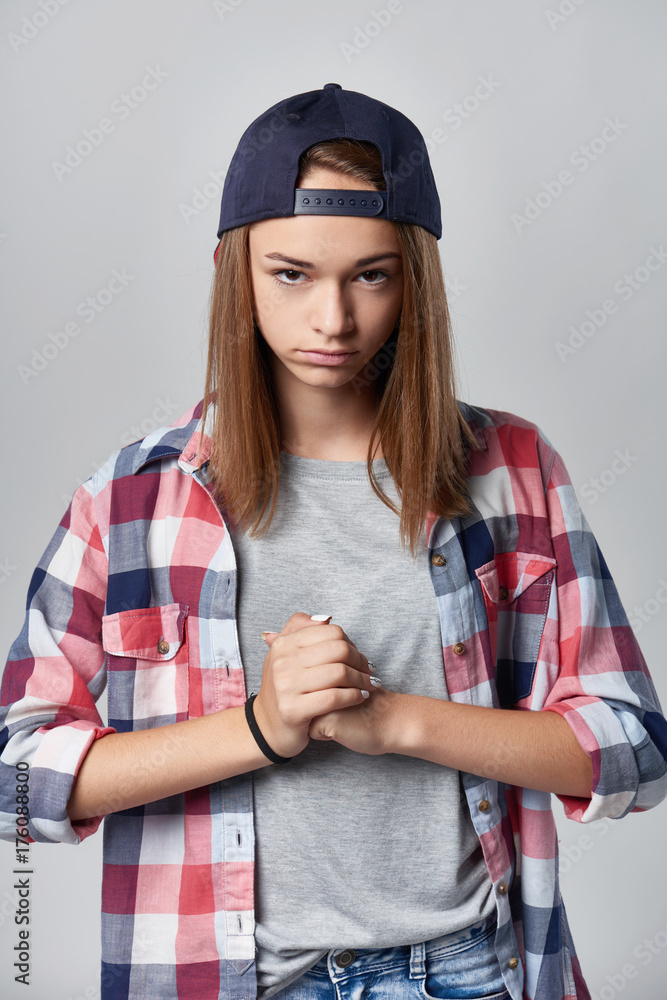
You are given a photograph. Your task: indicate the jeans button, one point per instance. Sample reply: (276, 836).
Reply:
(345, 958)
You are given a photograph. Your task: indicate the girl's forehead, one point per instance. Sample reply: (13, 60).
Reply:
(324, 235)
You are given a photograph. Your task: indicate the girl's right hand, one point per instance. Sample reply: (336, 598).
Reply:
(311, 668)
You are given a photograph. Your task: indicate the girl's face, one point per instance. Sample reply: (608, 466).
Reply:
(324, 284)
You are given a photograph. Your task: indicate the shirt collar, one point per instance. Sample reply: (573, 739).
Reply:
(179, 440)
(476, 419)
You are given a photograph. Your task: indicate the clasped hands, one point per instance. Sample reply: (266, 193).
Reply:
(312, 682)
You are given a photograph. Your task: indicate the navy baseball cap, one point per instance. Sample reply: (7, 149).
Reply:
(260, 181)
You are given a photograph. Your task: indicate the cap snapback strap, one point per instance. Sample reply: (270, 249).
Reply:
(331, 201)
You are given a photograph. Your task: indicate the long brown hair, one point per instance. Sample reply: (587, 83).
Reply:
(423, 435)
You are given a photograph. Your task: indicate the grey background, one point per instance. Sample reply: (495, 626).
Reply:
(555, 78)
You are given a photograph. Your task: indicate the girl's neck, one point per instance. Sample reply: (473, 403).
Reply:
(332, 426)
(332, 451)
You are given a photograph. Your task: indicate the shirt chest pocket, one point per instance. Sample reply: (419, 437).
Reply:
(516, 587)
(147, 666)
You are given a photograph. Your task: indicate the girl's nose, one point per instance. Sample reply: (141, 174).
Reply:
(331, 312)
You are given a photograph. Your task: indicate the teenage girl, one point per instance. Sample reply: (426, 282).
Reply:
(355, 632)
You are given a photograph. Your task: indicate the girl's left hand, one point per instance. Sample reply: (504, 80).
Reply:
(367, 728)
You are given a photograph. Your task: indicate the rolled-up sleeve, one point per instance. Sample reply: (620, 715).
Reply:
(53, 678)
(602, 685)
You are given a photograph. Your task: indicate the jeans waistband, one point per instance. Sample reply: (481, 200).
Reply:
(453, 942)
(359, 961)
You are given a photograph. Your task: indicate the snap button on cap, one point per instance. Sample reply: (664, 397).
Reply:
(345, 958)
(458, 648)
(438, 559)
(484, 805)
(513, 962)
(163, 646)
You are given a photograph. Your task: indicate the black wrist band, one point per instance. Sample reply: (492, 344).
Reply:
(259, 739)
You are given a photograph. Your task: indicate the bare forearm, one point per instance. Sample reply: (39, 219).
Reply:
(529, 749)
(123, 770)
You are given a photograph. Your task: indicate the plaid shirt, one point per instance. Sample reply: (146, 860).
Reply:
(138, 589)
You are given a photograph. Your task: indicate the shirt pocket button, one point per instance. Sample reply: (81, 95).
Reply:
(163, 646)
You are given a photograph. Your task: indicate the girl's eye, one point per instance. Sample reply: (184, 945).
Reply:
(287, 271)
(382, 275)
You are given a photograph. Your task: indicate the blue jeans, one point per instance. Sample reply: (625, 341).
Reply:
(459, 966)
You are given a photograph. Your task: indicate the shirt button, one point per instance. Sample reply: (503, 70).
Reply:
(438, 559)
(345, 958)
(484, 805)
(513, 962)
(163, 646)
(458, 648)
(503, 593)
(502, 888)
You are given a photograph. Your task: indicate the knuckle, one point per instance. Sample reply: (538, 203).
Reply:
(343, 674)
(279, 686)
(279, 664)
(341, 649)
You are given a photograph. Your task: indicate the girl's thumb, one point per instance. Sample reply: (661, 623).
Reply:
(315, 618)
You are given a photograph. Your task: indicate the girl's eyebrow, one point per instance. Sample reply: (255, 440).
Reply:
(362, 262)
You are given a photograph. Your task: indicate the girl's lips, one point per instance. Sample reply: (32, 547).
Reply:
(327, 359)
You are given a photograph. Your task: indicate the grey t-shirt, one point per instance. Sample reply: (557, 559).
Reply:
(352, 850)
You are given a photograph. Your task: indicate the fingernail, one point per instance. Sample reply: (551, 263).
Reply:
(320, 618)
(365, 694)
(375, 681)
(269, 632)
